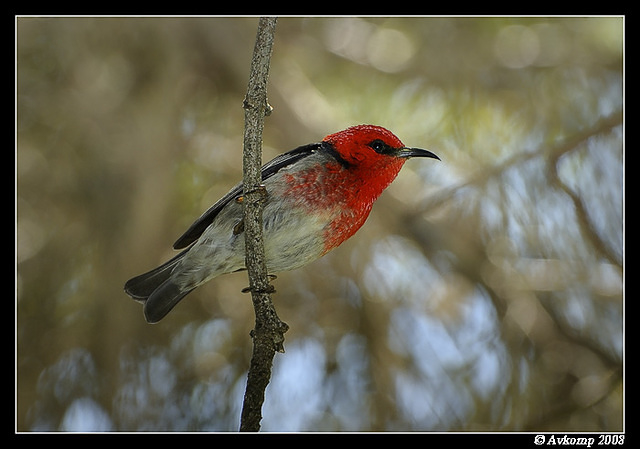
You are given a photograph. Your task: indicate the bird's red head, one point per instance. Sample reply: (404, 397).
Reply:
(370, 146)
(364, 144)
(370, 159)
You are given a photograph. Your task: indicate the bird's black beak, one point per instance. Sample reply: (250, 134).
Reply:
(415, 152)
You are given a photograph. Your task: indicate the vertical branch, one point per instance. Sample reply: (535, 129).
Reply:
(268, 334)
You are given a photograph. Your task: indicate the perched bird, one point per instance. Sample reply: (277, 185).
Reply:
(318, 195)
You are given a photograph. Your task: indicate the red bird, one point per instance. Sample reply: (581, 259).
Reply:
(318, 195)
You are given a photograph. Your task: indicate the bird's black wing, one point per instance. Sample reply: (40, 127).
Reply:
(269, 169)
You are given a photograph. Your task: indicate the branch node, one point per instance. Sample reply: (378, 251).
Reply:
(259, 190)
(247, 105)
(270, 289)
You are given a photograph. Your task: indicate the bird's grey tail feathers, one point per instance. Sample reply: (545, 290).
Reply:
(156, 290)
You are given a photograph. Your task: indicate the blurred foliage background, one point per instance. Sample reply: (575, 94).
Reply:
(484, 293)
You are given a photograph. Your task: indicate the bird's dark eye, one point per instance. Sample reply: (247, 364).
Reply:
(380, 147)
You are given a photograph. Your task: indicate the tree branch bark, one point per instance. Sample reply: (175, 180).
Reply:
(268, 334)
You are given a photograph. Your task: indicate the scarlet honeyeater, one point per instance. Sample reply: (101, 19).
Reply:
(318, 195)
